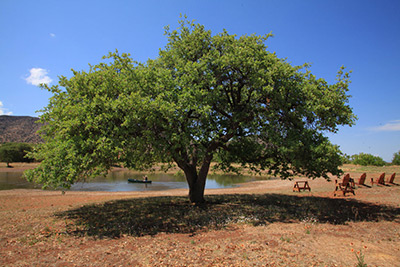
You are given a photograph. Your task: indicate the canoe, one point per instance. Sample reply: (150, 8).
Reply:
(138, 181)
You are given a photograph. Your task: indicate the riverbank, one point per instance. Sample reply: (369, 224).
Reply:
(262, 223)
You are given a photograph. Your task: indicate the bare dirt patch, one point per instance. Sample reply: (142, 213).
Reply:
(261, 223)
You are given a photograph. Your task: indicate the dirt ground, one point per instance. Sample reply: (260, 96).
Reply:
(37, 228)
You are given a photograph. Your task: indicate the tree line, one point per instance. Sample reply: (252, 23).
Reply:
(15, 152)
(365, 159)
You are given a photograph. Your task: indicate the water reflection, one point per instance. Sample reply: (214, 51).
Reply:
(117, 181)
(14, 180)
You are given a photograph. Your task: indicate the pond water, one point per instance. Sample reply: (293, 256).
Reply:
(118, 181)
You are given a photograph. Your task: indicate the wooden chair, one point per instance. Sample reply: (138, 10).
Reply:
(361, 180)
(391, 179)
(379, 181)
(344, 186)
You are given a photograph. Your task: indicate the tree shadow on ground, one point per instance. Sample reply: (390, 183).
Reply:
(149, 216)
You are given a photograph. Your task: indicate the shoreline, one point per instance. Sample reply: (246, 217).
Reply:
(319, 186)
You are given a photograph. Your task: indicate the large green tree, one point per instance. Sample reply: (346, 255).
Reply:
(205, 97)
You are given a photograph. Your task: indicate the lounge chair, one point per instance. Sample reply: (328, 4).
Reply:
(391, 179)
(344, 186)
(361, 180)
(379, 181)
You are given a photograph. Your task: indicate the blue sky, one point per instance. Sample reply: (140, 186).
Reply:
(41, 40)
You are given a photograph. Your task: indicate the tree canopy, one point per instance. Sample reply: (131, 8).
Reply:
(205, 98)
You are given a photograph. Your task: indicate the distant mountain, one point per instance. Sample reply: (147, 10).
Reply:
(21, 129)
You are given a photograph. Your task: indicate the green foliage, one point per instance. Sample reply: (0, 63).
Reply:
(396, 158)
(360, 259)
(14, 152)
(365, 159)
(346, 159)
(204, 97)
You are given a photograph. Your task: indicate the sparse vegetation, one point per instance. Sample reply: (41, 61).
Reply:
(19, 129)
(360, 259)
(371, 169)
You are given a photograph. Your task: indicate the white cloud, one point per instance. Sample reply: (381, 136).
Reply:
(38, 76)
(392, 126)
(3, 111)
(52, 35)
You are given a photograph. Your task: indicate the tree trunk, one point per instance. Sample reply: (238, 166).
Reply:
(196, 180)
(196, 186)
(196, 193)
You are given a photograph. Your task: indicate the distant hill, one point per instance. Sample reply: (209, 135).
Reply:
(21, 129)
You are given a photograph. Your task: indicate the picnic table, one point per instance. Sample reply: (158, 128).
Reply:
(301, 185)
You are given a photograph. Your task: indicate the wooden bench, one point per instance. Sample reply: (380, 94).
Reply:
(301, 185)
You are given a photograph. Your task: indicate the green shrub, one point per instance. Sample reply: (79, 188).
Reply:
(365, 159)
(14, 152)
(346, 159)
(396, 158)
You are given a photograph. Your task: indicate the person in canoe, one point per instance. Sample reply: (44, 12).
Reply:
(145, 179)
